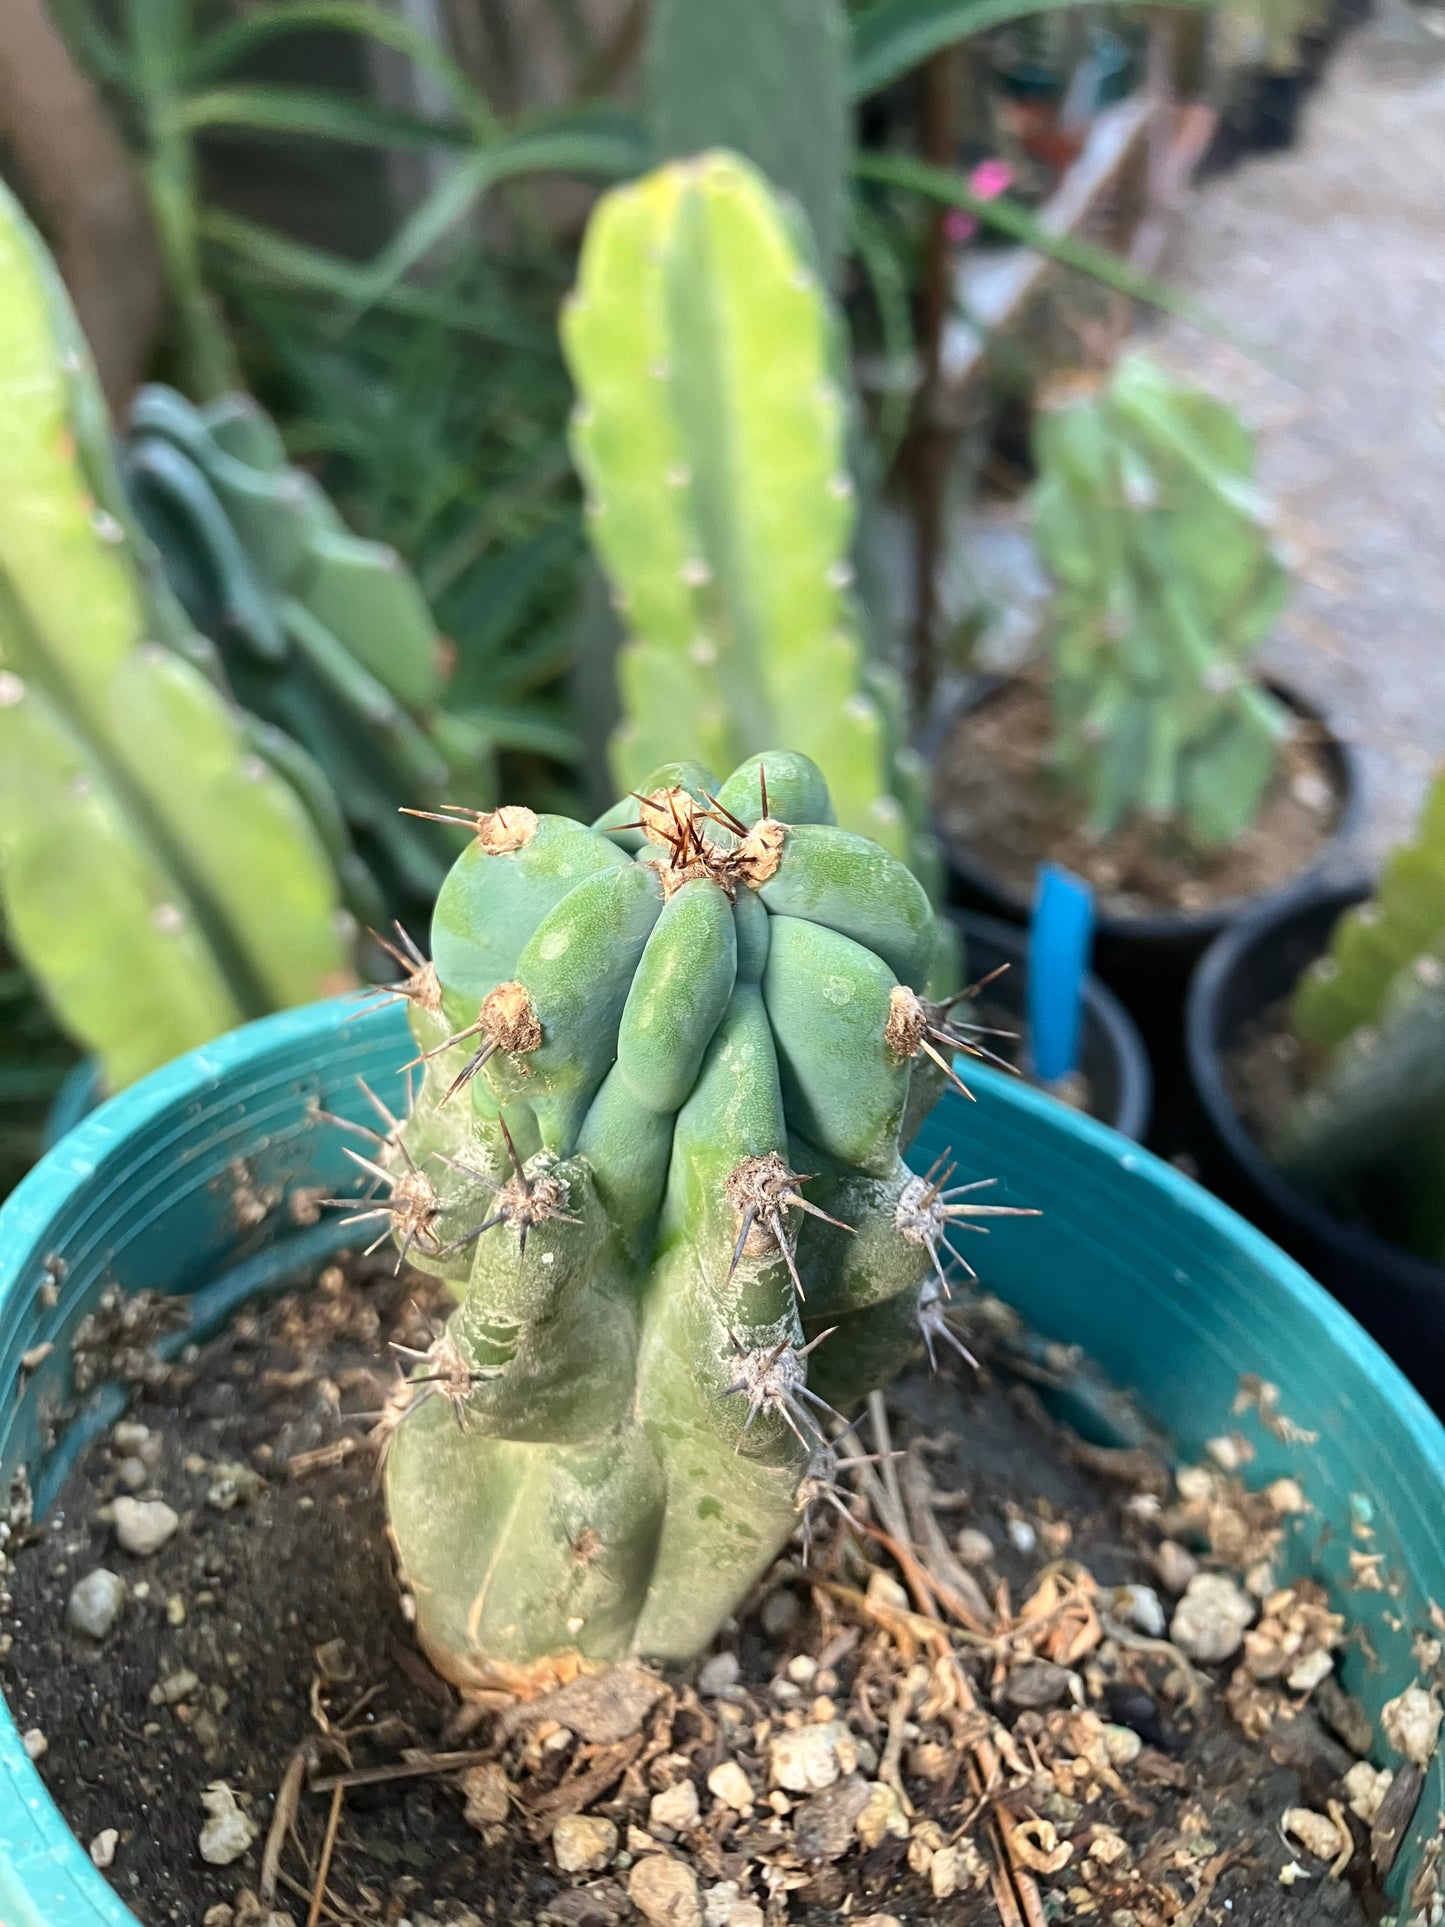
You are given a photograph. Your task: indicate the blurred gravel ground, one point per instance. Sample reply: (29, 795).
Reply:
(1330, 259)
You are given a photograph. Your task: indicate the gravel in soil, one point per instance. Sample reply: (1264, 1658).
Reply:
(1033, 1674)
(995, 795)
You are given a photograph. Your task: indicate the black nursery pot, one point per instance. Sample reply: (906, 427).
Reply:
(1147, 960)
(1111, 1052)
(1397, 1296)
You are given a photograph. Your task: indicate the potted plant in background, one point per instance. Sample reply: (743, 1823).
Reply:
(1316, 1033)
(1144, 752)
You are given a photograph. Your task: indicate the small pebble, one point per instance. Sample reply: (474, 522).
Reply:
(143, 1526)
(1140, 1606)
(175, 1610)
(103, 1846)
(801, 1669)
(583, 1842)
(96, 1602)
(811, 1758)
(665, 1892)
(488, 1795)
(177, 1686)
(1210, 1620)
(127, 1437)
(1036, 1683)
(974, 1548)
(780, 1612)
(132, 1473)
(1023, 1536)
(1317, 1834)
(1174, 1565)
(717, 1674)
(1411, 1723)
(35, 1743)
(675, 1807)
(730, 1784)
(227, 1834)
(1122, 1744)
(1365, 1788)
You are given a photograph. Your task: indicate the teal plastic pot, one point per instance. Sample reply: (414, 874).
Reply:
(1173, 1295)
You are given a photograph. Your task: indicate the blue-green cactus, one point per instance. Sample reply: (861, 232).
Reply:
(657, 1152)
(324, 639)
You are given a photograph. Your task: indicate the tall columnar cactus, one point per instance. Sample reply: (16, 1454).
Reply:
(656, 1151)
(710, 435)
(157, 879)
(1372, 1010)
(1167, 580)
(325, 639)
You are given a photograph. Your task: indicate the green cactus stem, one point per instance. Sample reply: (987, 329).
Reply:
(1371, 1011)
(711, 437)
(1167, 580)
(656, 1151)
(159, 882)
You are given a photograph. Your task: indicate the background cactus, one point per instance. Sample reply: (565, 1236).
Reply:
(1371, 1134)
(711, 438)
(158, 880)
(1146, 515)
(324, 638)
(669, 1061)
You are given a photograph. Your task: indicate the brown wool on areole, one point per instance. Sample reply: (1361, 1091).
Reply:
(673, 820)
(507, 1021)
(498, 831)
(761, 1190)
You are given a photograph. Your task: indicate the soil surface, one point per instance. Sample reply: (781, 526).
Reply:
(848, 1752)
(1267, 1071)
(995, 794)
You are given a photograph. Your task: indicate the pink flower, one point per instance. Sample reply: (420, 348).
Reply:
(988, 180)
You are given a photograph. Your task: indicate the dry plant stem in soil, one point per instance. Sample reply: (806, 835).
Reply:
(970, 1704)
(996, 796)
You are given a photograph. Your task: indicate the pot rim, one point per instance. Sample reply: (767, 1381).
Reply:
(1205, 1057)
(1162, 926)
(46, 1877)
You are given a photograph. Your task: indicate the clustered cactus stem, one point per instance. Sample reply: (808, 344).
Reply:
(668, 1065)
(1370, 1134)
(1167, 580)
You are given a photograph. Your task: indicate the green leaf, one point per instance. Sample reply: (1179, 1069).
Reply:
(221, 51)
(608, 145)
(938, 184)
(893, 36)
(295, 265)
(98, 50)
(315, 113)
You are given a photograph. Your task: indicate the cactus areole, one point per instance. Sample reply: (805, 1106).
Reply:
(668, 1064)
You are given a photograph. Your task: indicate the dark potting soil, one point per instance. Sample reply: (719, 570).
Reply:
(995, 795)
(1267, 1071)
(824, 1763)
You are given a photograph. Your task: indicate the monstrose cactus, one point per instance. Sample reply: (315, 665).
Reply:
(158, 880)
(711, 438)
(1167, 580)
(1371, 1133)
(670, 1061)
